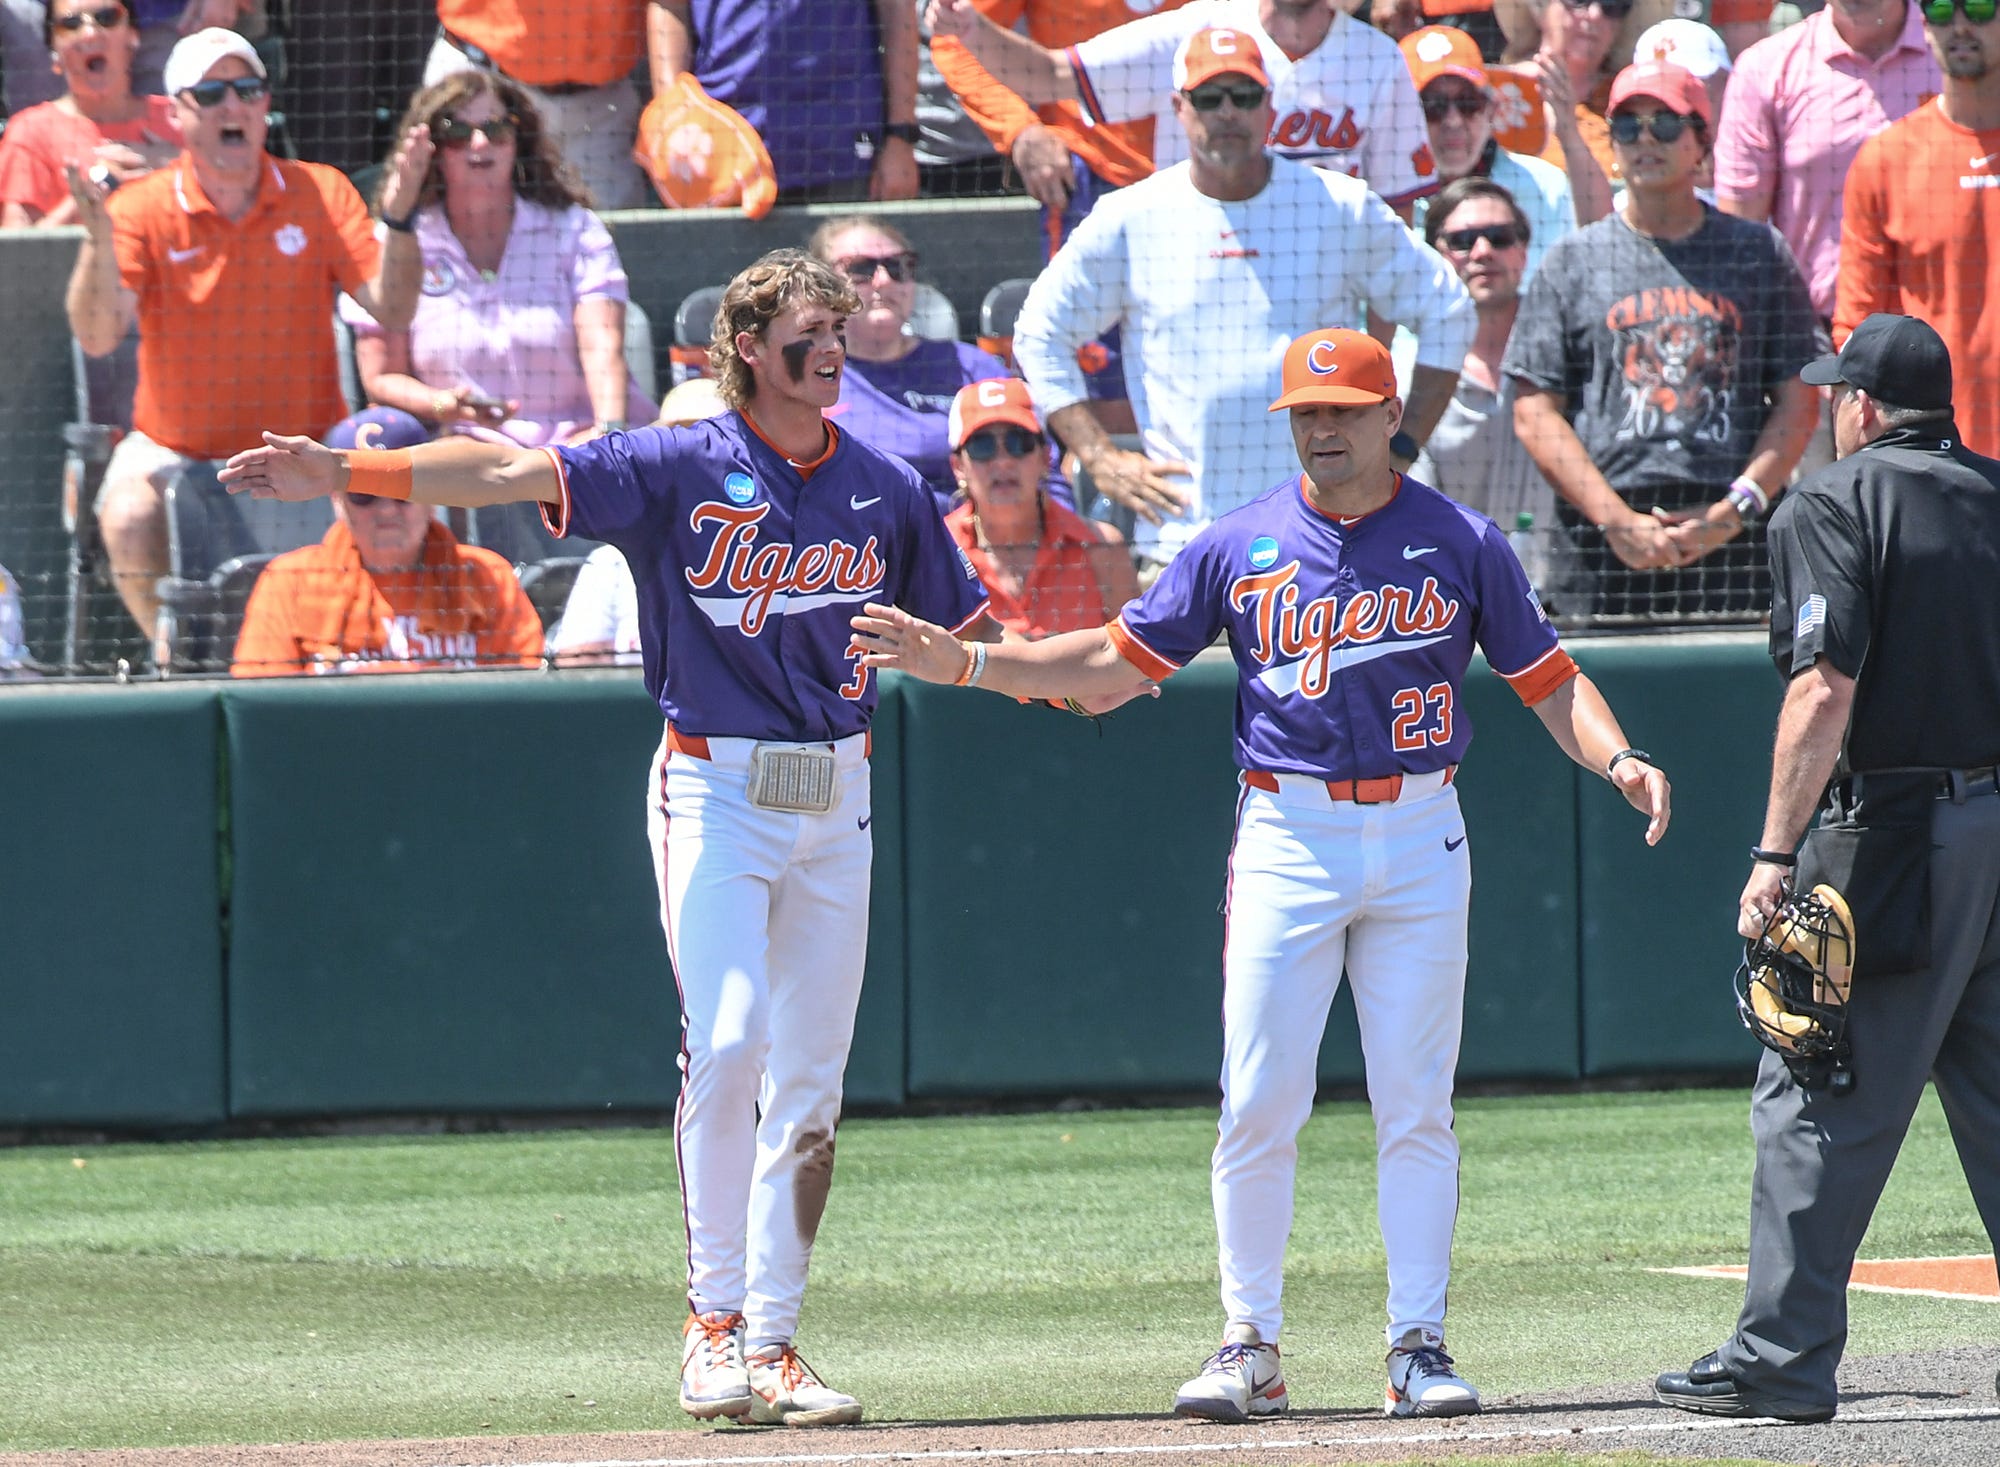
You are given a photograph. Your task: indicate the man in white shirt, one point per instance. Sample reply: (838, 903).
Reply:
(1211, 267)
(1342, 98)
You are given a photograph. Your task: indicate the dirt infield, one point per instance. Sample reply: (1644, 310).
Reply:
(1970, 1277)
(1935, 1409)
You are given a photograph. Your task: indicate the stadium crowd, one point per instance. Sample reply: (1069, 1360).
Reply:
(1604, 236)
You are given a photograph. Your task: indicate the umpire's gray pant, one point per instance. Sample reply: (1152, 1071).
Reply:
(1822, 1159)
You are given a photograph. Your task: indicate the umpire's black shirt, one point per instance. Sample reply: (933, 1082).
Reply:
(1887, 564)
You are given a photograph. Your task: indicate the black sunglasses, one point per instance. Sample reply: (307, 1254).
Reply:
(984, 446)
(1664, 126)
(211, 93)
(1500, 236)
(1613, 9)
(449, 132)
(105, 18)
(861, 268)
(1247, 96)
(1979, 12)
(1465, 104)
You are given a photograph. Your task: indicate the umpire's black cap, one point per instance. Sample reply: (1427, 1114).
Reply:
(1894, 359)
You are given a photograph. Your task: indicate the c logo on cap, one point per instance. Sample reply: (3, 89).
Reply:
(1321, 359)
(993, 392)
(367, 435)
(1222, 43)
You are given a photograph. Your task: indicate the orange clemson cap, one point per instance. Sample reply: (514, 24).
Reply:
(1338, 366)
(701, 154)
(1440, 50)
(982, 404)
(1216, 51)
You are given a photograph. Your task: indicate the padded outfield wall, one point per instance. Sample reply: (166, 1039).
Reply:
(432, 894)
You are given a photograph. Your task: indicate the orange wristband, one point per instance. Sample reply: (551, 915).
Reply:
(386, 473)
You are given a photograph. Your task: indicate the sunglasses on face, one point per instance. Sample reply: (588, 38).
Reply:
(210, 93)
(1613, 9)
(861, 268)
(451, 133)
(985, 445)
(1244, 96)
(1500, 236)
(105, 18)
(1938, 12)
(1466, 104)
(1664, 126)
(367, 501)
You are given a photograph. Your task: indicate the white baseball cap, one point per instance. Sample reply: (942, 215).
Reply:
(193, 56)
(1687, 44)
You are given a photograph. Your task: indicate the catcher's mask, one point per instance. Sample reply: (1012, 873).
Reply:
(1792, 987)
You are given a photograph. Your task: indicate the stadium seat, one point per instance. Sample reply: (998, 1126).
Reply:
(996, 317)
(548, 584)
(693, 321)
(200, 619)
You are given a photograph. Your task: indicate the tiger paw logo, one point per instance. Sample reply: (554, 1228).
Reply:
(290, 240)
(690, 151)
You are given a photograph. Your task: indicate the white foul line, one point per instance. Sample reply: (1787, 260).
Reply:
(1250, 1444)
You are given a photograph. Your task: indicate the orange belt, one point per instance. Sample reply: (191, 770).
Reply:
(695, 746)
(1360, 791)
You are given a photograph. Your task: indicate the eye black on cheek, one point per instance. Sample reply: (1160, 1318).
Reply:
(795, 354)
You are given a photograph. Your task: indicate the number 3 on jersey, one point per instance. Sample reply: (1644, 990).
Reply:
(1423, 717)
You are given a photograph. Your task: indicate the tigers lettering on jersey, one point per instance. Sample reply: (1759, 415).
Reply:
(1309, 636)
(775, 578)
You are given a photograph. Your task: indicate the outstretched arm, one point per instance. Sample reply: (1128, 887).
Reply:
(457, 471)
(1579, 719)
(1082, 665)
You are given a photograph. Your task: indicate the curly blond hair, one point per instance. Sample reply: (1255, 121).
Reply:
(755, 298)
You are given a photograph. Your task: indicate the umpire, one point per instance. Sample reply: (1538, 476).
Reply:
(1886, 624)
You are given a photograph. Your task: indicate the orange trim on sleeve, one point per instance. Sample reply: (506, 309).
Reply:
(1542, 676)
(1136, 652)
(985, 605)
(556, 516)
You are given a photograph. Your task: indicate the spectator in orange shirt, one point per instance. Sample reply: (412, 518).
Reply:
(1922, 215)
(229, 261)
(1046, 569)
(389, 589)
(577, 58)
(1575, 71)
(98, 120)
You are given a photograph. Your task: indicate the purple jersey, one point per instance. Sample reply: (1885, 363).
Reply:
(749, 572)
(804, 73)
(1351, 637)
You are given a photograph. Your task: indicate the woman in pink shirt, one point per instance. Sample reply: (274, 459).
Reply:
(520, 332)
(98, 120)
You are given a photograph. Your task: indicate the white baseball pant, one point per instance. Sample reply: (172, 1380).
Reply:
(766, 915)
(1317, 884)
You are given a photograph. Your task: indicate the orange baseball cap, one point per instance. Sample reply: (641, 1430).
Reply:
(1216, 51)
(982, 404)
(1663, 81)
(1442, 50)
(1338, 366)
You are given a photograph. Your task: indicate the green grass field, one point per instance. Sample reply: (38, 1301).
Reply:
(1017, 1266)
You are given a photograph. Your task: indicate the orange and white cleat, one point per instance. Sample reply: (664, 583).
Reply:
(784, 1391)
(714, 1380)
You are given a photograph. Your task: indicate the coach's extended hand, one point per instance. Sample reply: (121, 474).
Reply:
(285, 468)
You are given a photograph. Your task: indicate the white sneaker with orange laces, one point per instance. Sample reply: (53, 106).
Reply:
(714, 1380)
(784, 1391)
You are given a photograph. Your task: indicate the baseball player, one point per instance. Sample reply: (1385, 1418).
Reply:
(752, 538)
(1352, 597)
(1342, 94)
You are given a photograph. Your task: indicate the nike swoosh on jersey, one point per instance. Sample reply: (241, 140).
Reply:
(1452, 845)
(1411, 552)
(853, 503)
(1982, 162)
(727, 611)
(181, 257)
(1285, 677)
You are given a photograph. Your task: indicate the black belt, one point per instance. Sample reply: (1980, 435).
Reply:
(478, 57)
(1956, 785)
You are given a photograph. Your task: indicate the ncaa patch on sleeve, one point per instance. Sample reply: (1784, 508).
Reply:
(1812, 616)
